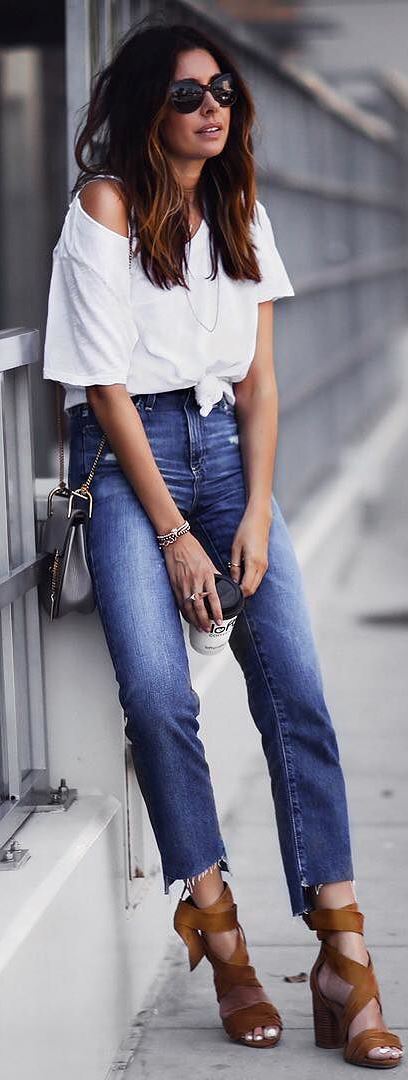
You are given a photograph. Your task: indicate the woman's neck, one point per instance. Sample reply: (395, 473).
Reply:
(191, 196)
(188, 174)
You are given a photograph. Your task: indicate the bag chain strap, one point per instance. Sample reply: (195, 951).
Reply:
(84, 487)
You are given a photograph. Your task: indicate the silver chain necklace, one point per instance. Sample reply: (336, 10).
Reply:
(209, 328)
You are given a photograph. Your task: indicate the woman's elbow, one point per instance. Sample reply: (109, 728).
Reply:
(100, 392)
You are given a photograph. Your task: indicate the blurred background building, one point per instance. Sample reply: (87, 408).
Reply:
(330, 81)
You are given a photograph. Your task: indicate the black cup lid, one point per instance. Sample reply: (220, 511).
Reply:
(230, 594)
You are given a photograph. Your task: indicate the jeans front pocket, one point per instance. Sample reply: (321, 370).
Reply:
(223, 405)
(92, 436)
(108, 477)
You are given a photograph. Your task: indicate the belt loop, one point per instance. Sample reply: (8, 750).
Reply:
(150, 401)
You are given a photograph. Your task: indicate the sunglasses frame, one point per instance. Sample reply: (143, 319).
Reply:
(203, 87)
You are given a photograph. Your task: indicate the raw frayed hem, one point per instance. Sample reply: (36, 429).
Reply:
(311, 891)
(189, 882)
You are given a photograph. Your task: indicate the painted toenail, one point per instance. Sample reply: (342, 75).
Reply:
(258, 1036)
(248, 1036)
(270, 1032)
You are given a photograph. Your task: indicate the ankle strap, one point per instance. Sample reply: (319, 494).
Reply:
(200, 919)
(189, 919)
(323, 920)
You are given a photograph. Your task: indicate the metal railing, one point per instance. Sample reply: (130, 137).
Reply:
(23, 763)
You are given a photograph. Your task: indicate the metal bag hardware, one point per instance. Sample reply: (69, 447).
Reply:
(65, 583)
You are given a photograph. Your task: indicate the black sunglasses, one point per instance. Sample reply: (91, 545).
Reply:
(186, 95)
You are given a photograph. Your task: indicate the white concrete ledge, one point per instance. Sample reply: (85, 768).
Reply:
(57, 842)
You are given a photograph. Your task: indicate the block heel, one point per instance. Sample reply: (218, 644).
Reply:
(327, 1026)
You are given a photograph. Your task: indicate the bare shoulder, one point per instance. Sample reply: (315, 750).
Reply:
(104, 200)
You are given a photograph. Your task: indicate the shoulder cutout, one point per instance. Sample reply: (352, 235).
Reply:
(103, 201)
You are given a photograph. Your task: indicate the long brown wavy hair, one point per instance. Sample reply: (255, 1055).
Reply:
(121, 135)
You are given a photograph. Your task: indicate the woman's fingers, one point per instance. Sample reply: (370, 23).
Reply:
(213, 599)
(254, 572)
(194, 573)
(196, 609)
(200, 613)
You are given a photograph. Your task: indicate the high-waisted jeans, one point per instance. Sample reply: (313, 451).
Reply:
(272, 640)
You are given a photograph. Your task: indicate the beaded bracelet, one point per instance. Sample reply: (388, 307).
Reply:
(168, 538)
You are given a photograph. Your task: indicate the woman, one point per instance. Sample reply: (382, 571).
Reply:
(174, 364)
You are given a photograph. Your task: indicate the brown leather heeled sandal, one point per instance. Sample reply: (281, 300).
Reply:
(332, 1020)
(243, 1001)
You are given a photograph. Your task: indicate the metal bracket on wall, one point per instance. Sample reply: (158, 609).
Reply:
(60, 798)
(12, 857)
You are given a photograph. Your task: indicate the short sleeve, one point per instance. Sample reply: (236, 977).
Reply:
(275, 280)
(90, 331)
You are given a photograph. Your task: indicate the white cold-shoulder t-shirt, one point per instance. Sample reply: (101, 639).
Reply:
(106, 325)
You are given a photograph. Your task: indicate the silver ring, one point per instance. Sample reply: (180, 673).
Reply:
(196, 595)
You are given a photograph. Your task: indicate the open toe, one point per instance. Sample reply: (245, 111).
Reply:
(244, 1004)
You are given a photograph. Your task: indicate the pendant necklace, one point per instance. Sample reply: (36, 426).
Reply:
(208, 328)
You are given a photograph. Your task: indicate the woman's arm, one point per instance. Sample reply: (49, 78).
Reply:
(120, 420)
(257, 417)
(257, 414)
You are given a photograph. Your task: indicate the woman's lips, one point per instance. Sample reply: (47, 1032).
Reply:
(210, 134)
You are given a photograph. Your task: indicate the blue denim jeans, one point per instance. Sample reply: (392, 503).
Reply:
(272, 640)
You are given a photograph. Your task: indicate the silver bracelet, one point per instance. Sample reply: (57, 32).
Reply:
(169, 538)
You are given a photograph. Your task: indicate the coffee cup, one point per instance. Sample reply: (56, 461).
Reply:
(231, 597)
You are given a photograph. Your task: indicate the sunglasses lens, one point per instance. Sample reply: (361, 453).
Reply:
(223, 90)
(187, 95)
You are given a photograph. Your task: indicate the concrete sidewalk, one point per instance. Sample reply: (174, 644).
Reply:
(357, 586)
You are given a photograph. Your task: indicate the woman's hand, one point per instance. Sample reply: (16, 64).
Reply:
(191, 570)
(250, 547)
